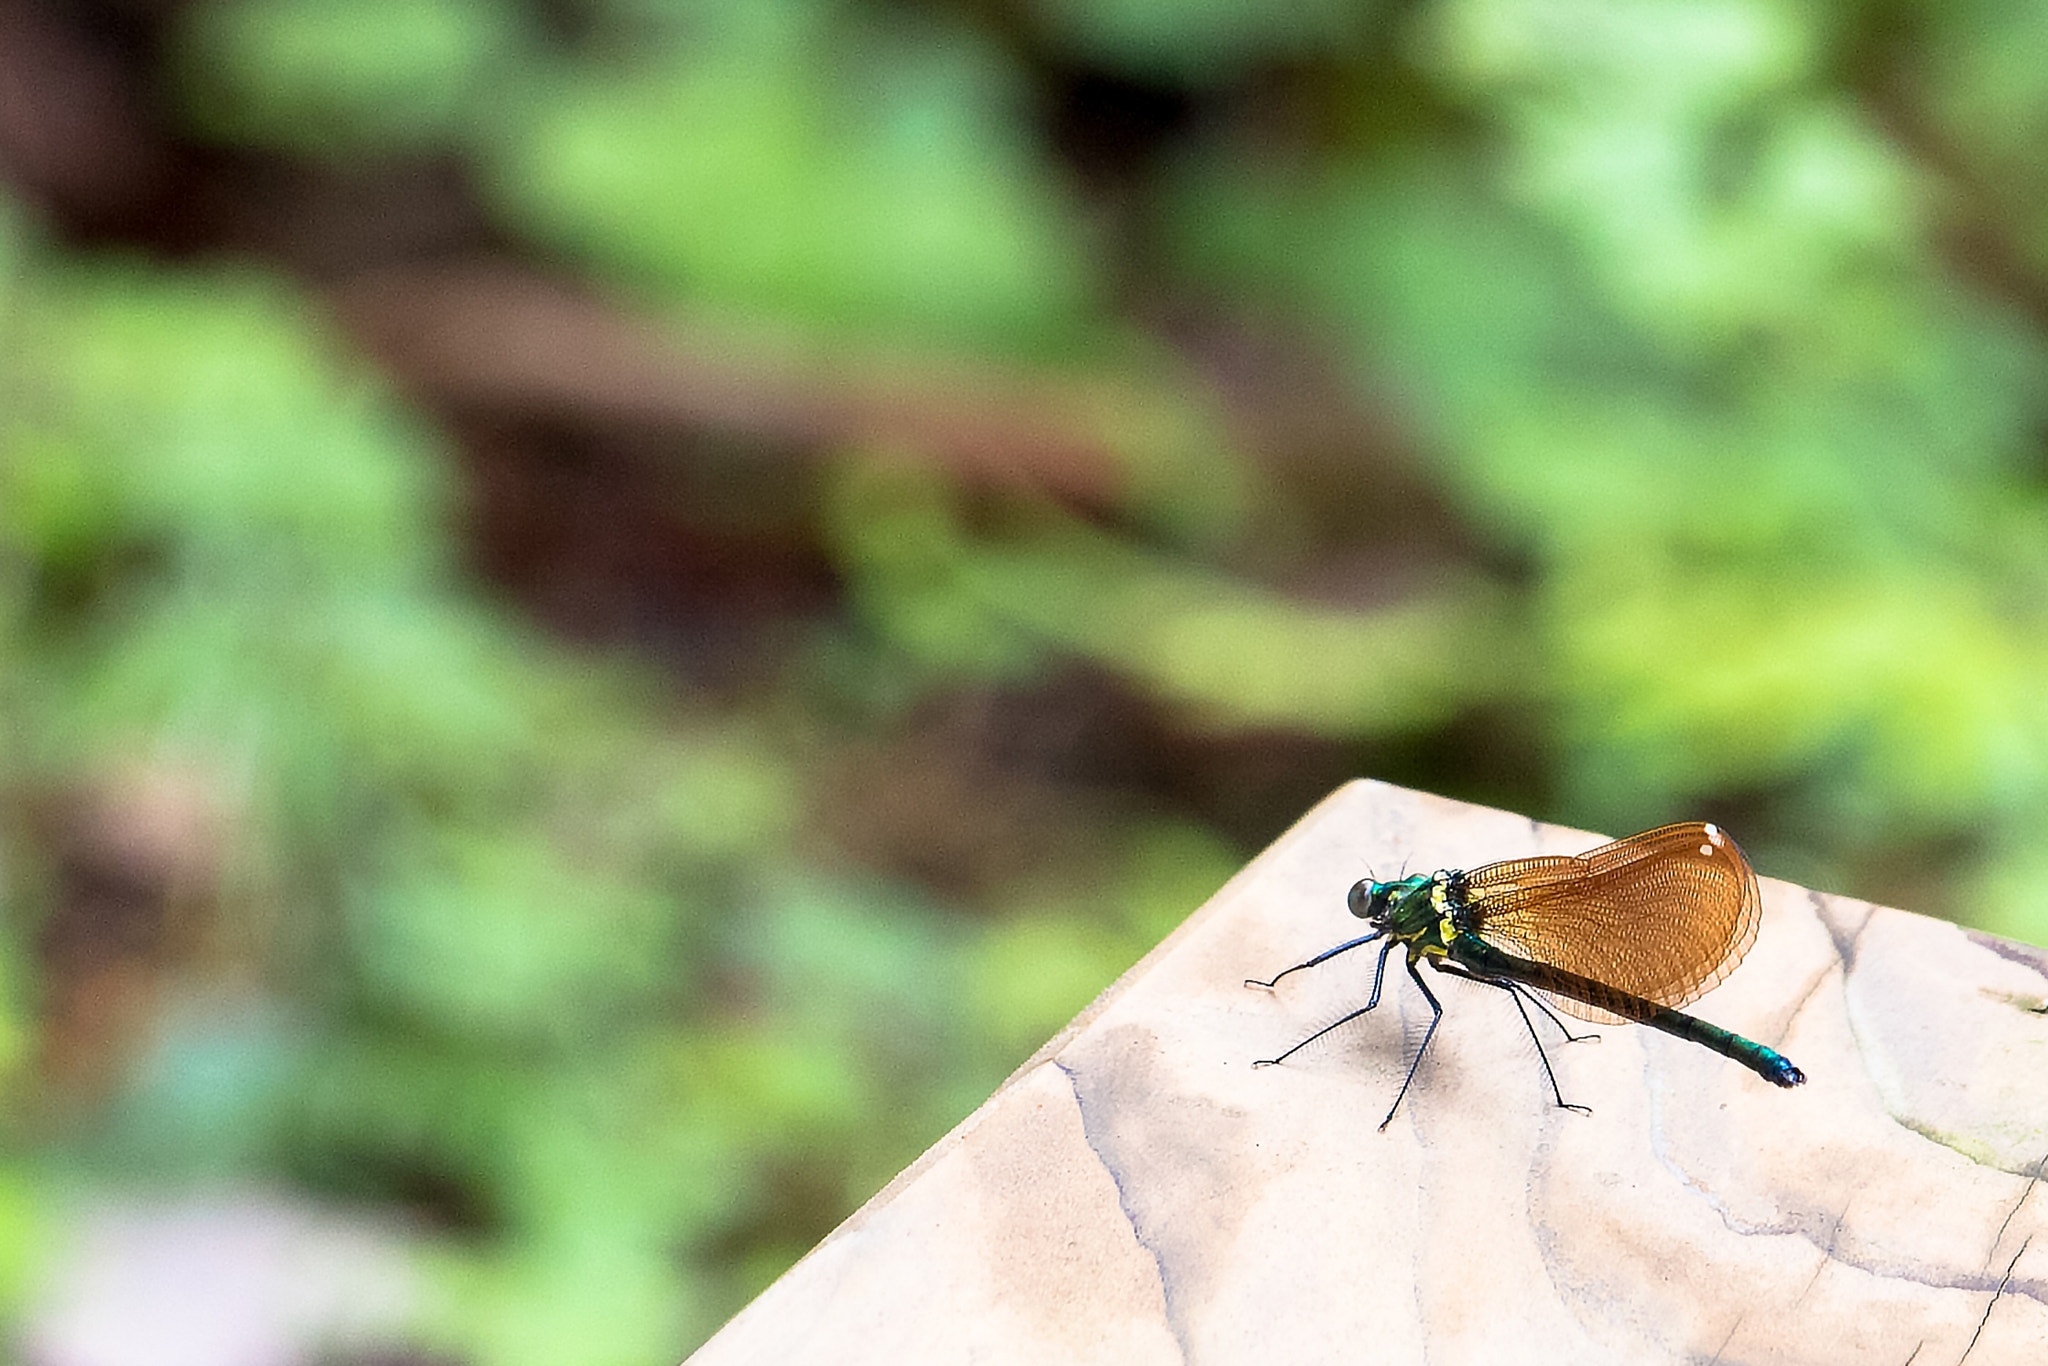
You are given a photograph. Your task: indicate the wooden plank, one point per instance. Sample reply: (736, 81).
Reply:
(1138, 1192)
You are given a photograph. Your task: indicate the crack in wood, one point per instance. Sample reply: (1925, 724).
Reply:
(1827, 1255)
(1807, 996)
(1995, 1296)
(1831, 1252)
(2033, 1180)
(1123, 1201)
(1844, 940)
(1728, 1339)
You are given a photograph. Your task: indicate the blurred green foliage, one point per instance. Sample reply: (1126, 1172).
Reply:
(1690, 361)
(353, 78)
(1204, 41)
(784, 171)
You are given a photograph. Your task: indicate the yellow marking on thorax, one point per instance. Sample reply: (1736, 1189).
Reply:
(1440, 902)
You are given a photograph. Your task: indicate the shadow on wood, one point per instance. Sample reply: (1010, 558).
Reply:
(1137, 1192)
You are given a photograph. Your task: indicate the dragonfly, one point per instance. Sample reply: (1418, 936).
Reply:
(1625, 933)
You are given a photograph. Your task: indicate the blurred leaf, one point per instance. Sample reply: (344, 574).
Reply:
(1171, 869)
(1975, 77)
(1060, 947)
(599, 1304)
(1668, 137)
(211, 1096)
(839, 183)
(490, 935)
(1232, 654)
(210, 416)
(27, 1226)
(1032, 975)
(1206, 40)
(727, 797)
(350, 77)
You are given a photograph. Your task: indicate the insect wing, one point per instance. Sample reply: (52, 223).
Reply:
(1664, 915)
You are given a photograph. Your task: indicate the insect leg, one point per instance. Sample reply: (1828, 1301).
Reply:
(1376, 978)
(1435, 1019)
(1521, 990)
(1379, 976)
(1516, 991)
(1562, 1027)
(1325, 956)
(1516, 995)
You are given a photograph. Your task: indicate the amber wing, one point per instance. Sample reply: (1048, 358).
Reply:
(1665, 914)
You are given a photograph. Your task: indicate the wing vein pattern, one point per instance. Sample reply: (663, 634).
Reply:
(1665, 915)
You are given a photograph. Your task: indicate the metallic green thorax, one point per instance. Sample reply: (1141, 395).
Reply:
(1422, 912)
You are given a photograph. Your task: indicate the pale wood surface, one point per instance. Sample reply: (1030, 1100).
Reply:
(1138, 1193)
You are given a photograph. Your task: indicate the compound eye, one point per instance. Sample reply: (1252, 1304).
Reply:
(1361, 898)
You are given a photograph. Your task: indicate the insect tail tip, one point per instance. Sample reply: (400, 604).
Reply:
(1783, 1071)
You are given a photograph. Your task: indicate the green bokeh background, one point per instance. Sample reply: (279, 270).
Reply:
(1116, 422)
